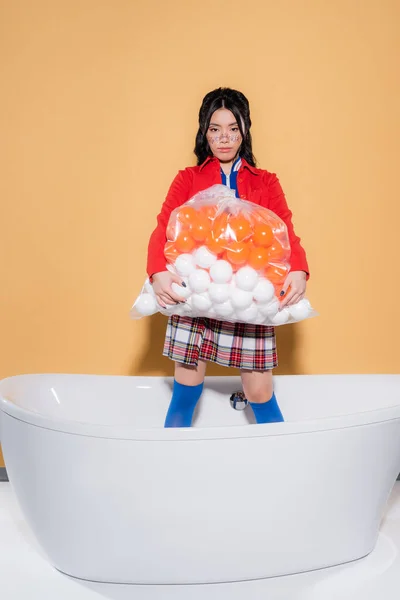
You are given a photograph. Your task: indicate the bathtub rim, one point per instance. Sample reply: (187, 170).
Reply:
(130, 433)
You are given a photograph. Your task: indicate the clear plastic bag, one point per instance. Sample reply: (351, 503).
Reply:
(233, 256)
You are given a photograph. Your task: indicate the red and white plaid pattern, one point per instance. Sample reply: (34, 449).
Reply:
(239, 345)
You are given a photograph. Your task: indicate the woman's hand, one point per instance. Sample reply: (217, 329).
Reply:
(162, 288)
(296, 281)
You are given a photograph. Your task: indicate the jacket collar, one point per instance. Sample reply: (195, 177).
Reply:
(245, 164)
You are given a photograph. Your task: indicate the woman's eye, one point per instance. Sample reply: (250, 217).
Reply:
(235, 129)
(213, 130)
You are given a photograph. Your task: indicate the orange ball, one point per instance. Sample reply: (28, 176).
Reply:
(214, 246)
(263, 235)
(276, 253)
(175, 227)
(277, 274)
(258, 258)
(187, 215)
(184, 243)
(200, 228)
(171, 252)
(237, 253)
(263, 216)
(240, 226)
(251, 246)
(209, 210)
(220, 226)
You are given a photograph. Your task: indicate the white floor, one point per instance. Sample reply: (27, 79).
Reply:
(25, 574)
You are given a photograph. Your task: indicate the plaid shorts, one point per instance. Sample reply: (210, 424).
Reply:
(238, 345)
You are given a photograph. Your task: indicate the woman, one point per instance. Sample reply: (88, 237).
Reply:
(224, 155)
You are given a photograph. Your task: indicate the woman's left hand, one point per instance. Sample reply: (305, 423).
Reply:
(297, 281)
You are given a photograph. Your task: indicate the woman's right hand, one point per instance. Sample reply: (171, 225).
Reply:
(162, 288)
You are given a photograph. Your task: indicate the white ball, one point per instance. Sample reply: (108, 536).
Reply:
(248, 315)
(281, 317)
(201, 302)
(199, 281)
(300, 310)
(184, 264)
(186, 309)
(224, 310)
(240, 298)
(270, 309)
(264, 291)
(219, 292)
(172, 309)
(183, 292)
(146, 305)
(246, 279)
(221, 271)
(183, 310)
(204, 258)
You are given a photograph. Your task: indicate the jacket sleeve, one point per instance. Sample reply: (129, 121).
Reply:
(178, 194)
(276, 201)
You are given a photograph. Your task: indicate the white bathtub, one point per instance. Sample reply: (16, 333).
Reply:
(114, 497)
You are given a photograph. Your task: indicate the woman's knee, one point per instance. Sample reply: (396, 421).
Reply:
(190, 374)
(257, 386)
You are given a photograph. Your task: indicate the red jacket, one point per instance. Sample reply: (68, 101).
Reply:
(255, 185)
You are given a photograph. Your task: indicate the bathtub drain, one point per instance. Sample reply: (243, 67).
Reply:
(238, 400)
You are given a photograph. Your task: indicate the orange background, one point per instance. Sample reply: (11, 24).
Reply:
(98, 112)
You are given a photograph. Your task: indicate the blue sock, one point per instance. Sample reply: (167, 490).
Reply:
(183, 402)
(267, 412)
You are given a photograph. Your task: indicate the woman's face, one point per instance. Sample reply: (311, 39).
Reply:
(223, 135)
